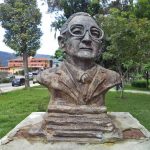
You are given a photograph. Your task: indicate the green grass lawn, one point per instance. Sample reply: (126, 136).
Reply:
(16, 105)
(137, 104)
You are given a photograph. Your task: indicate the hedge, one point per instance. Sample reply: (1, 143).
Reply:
(140, 84)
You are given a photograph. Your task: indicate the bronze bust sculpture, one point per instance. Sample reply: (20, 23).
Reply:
(78, 86)
(79, 81)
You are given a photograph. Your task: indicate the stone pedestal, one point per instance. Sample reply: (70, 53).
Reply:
(135, 136)
(82, 124)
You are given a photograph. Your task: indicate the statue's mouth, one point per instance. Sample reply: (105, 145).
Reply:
(86, 49)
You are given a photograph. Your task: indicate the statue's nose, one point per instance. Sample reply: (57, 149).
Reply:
(86, 39)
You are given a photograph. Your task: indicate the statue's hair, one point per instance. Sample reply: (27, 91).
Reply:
(65, 25)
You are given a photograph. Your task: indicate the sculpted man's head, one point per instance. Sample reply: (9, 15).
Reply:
(81, 37)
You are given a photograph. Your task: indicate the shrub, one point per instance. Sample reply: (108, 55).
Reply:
(20, 72)
(5, 80)
(140, 84)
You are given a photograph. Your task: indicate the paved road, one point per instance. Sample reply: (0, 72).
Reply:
(6, 87)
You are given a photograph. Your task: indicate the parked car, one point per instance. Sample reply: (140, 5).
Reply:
(34, 77)
(18, 81)
(30, 75)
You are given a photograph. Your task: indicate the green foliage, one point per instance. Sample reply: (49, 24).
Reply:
(59, 21)
(21, 18)
(126, 26)
(123, 5)
(5, 80)
(128, 39)
(142, 9)
(17, 105)
(139, 84)
(72, 6)
(59, 54)
(20, 72)
(129, 87)
(137, 76)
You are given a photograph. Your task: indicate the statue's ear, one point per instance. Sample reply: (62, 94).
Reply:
(61, 41)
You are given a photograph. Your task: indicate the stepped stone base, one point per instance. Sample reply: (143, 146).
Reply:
(82, 124)
(135, 136)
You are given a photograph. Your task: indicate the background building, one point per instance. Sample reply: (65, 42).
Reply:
(15, 65)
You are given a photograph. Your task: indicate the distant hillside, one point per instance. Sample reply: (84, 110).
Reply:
(5, 56)
(43, 56)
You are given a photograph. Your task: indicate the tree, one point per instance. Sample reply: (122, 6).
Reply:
(93, 7)
(128, 40)
(142, 12)
(72, 6)
(21, 18)
(146, 68)
(124, 5)
(142, 9)
(59, 54)
(120, 32)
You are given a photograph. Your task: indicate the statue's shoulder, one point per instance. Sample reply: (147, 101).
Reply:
(47, 72)
(111, 76)
(47, 75)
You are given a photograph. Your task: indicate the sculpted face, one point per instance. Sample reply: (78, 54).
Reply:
(83, 38)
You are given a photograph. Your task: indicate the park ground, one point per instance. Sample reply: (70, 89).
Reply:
(16, 105)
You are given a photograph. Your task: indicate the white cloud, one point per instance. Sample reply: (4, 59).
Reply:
(3, 47)
(48, 42)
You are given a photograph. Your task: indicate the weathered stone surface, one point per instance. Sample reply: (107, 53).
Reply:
(133, 133)
(79, 127)
(81, 109)
(26, 145)
(78, 86)
(125, 121)
(72, 123)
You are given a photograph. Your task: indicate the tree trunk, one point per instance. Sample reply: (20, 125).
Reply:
(25, 65)
(122, 88)
(147, 79)
(122, 82)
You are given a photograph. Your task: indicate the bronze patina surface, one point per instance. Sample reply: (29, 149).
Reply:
(77, 110)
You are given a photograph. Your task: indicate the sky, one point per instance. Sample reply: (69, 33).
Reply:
(49, 44)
